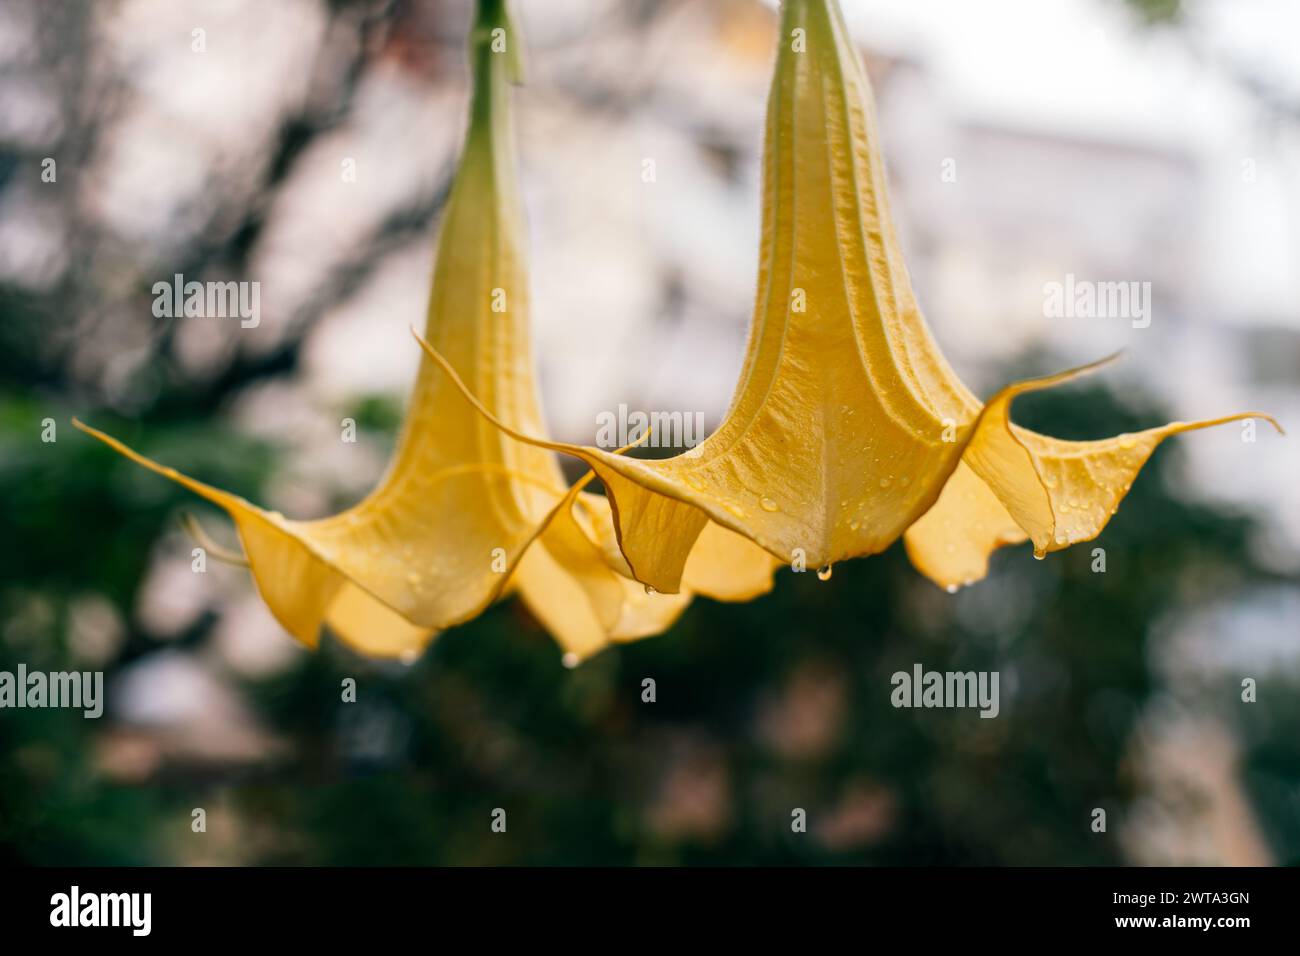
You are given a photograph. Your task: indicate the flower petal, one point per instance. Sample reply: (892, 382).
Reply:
(435, 543)
(1060, 493)
(847, 424)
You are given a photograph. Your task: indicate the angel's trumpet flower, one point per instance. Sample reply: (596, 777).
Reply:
(848, 426)
(450, 524)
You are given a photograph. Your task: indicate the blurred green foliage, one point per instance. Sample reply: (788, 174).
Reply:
(586, 771)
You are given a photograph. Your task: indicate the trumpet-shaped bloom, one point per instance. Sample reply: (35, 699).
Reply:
(449, 526)
(848, 426)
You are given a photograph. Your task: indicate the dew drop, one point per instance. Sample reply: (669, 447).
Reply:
(1040, 553)
(884, 482)
(569, 660)
(824, 574)
(649, 589)
(951, 589)
(767, 504)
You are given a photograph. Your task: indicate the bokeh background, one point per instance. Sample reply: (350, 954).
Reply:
(1131, 141)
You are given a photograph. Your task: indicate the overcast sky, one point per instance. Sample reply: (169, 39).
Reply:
(1087, 68)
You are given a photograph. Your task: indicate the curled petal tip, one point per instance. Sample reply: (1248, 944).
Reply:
(1111, 358)
(1265, 416)
(203, 540)
(1224, 420)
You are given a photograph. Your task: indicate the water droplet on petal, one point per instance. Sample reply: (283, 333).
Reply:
(569, 660)
(649, 589)
(824, 573)
(951, 589)
(767, 504)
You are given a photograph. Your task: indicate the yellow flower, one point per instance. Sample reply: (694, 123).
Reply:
(449, 527)
(848, 426)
